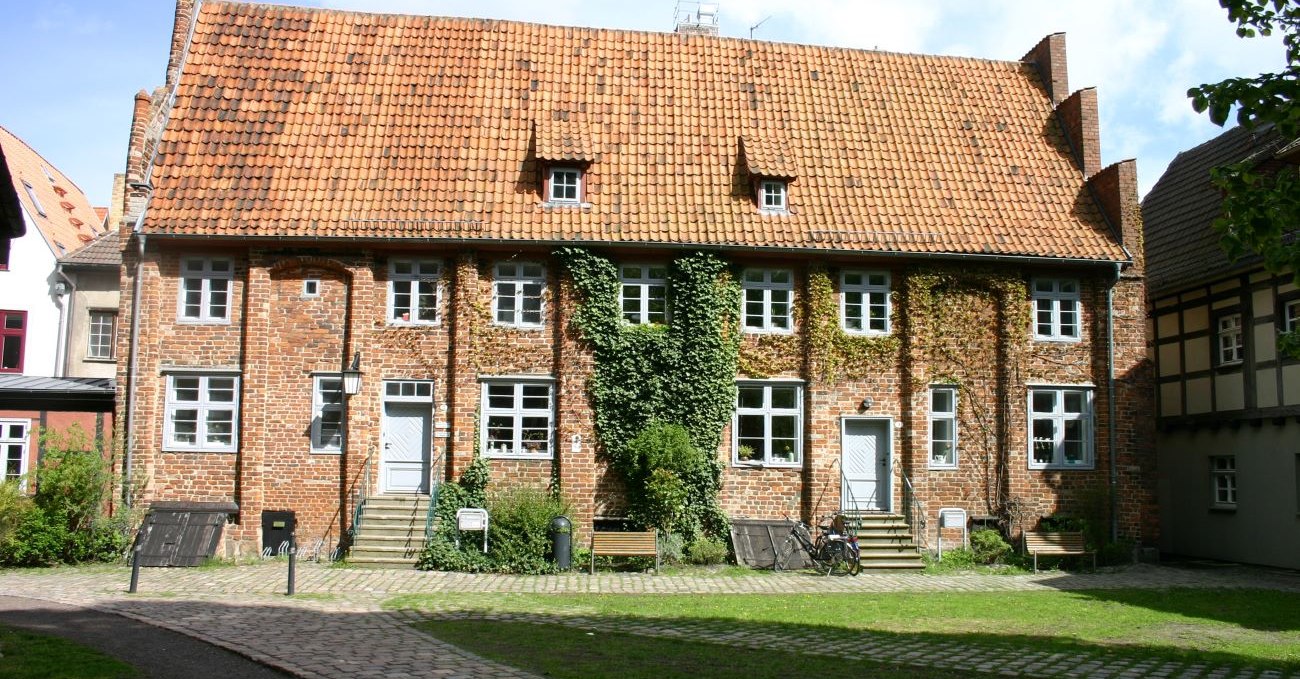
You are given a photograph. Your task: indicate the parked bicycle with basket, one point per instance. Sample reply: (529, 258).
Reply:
(834, 550)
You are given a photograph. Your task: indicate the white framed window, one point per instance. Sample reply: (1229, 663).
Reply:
(1291, 315)
(516, 419)
(202, 412)
(772, 195)
(13, 443)
(36, 202)
(943, 427)
(1223, 480)
(311, 288)
(414, 291)
(768, 426)
(1056, 309)
(205, 290)
(99, 337)
(1230, 340)
(517, 294)
(1060, 428)
(564, 185)
(643, 293)
(768, 300)
(864, 302)
(326, 413)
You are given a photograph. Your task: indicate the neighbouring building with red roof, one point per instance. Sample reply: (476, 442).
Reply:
(941, 290)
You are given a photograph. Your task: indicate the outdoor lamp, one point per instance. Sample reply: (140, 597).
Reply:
(352, 376)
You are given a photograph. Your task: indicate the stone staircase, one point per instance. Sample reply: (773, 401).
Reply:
(391, 533)
(884, 540)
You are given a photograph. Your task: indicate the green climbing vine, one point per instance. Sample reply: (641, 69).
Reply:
(647, 376)
(834, 352)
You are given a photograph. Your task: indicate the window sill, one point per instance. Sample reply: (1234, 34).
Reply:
(1058, 340)
(548, 204)
(514, 326)
(99, 360)
(214, 451)
(201, 321)
(761, 331)
(512, 456)
(333, 453)
(1063, 468)
(943, 467)
(864, 333)
(779, 213)
(1223, 509)
(417, 324)
(751, 464)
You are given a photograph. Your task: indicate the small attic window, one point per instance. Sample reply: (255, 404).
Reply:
(48, 176)
(772, 195)
(36, 202)
(564, 185)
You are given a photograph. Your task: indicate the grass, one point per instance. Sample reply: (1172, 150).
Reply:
(1225, 627)
(35, 656)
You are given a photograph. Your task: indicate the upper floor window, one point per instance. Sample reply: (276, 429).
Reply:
(327, 414)
(516, 419)
(943, 427)
(1230, 341)
(564, 185)
(1060, 428)
(768, 300)
(1056, 309)
(414, 289)
(202, 412)
(864, 302)
(517, 294)
(772, 195)
(768, 427)
(99, 344)
(13, 445)
(13, 337)
(205, 290)
(644, 294)
(1291, 315)
(1223, 480)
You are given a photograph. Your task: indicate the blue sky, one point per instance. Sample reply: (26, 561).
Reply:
(73, 66)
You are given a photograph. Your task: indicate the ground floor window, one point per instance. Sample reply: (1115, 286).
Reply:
(769, 424)
(516, 419)
(1060, 428)
(13, 444)
(327, 414)
(202, 412)
(1223, 480)
(943, 427)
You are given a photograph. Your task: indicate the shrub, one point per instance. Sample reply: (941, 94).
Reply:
(672, 548)
(73, 479)
(665, 466)
(519, 538)
(14, 503)
(988, 547)
(1116, 553)
(953, 560)
(707, 552)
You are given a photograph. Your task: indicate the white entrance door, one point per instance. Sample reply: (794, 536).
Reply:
(865, 447)
(404, 463)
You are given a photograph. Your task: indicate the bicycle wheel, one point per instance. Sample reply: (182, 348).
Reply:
(854, 560)
(831, 556)
(782, 553)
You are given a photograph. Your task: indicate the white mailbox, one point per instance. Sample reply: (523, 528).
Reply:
(473, 519)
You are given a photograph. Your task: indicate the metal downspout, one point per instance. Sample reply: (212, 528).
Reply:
(132, 368)
(1112, 434)
(65, 315)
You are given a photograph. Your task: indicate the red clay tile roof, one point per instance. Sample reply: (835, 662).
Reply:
(323, 123)
(766, 157)
(68, 222)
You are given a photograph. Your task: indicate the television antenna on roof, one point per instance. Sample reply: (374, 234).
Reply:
(755, 26)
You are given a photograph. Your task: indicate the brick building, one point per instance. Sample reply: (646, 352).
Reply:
(328, 184)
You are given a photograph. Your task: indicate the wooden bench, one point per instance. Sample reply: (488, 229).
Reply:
(1065, 543)
(608, 543)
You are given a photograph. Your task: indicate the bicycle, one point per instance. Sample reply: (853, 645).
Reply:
(832, 551)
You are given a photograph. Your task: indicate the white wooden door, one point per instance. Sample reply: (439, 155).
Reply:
(865, 459)
(404, 463)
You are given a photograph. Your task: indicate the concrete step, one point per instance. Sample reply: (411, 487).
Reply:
(369, 540)
(399, 553)
(381, 562)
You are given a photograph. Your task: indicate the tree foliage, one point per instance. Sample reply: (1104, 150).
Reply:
(1261, 207)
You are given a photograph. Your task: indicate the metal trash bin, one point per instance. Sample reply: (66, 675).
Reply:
(562, 542)
(277, 528)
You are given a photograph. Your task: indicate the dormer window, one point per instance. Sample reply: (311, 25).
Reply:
(771, 195)
(564, 185)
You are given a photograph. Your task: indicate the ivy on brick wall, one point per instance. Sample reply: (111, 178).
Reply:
(835, 353)
(682, 373)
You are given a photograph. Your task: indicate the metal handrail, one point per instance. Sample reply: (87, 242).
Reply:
(915, 515)
(359, 496)
(431, 514)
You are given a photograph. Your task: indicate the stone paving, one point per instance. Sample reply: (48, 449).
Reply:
(336, 627)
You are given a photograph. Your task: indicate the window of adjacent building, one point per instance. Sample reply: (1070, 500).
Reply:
(326, 414)
(517, 294)
(1230, 343)
(13, 335)
(772, 195)
(516, 419)
(1291, 315)
(99, 343)
(768, 300)
(1223, 478)
(943, 427)
(864, 302)
(13, 443)
(768, 426)
(564, 185)
(1060, 425)
(1056, 309)
(36, 202)
(202, 412)
(414, 288)
(205, 289)
(644, 294)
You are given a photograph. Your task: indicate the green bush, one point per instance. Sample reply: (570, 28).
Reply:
(959, 559)
(672, 548)
(706, 552)
(1116, 553)
(988, 547)
(519, 538)
(14, 504)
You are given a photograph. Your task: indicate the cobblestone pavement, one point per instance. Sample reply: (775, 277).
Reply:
(336, 627)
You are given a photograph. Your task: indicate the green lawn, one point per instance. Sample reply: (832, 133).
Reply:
(1221, 627)
(27, 655)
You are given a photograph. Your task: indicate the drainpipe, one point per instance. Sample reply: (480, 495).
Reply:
(65, 313)
(1112, 434)
(132, 368)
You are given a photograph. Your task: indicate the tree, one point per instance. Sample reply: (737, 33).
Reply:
(1261, 206)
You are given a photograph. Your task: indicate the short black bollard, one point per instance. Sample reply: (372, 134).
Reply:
(293, 558)
(135, 567)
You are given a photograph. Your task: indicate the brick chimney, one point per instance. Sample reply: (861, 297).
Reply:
(1048, 56)
(1078, 118)
(1116, 192)
(181, 27)
(135, 192)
